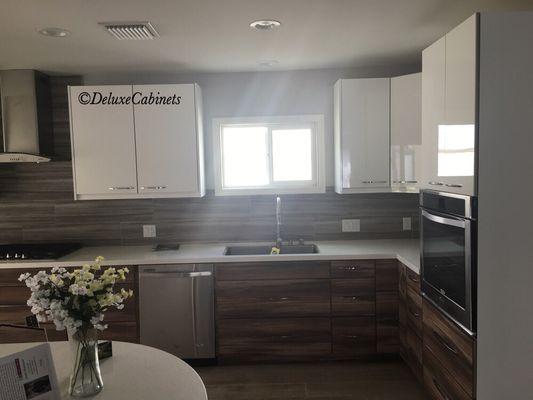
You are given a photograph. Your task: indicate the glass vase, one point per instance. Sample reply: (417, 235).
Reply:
(85, 379)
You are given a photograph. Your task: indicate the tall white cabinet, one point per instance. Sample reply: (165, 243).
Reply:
(362, 135)
(140, 148)
(406, 132)
(449, 73)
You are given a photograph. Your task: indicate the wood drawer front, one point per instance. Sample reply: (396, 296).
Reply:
(277, 339)
(413, 280)
(402, 313)
(10, 276)
(14, 295)
(353, 336)
(414, 311)
(387, 276)
(413, 353)
(453, 348)
(273, 298)
(438, 382)
(356, 269)
(272, 270)
(402, 284)
(52, 333)
(14, 314)
(353, 297)
(387, 322)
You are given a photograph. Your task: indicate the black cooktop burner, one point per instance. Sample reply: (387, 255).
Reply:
(45, 251)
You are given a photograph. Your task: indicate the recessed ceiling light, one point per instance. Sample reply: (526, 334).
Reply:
(265, 24)
(54, 32)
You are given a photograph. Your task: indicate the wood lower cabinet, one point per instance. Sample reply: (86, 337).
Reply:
(122, 324)
(273, 339)
(448, 348)
(294, 311)
(439, 383)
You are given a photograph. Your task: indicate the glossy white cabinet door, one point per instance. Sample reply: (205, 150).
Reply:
(363, 134)
(406, 132)
(433, 99)
(461, 70)
(457, 134)
(103, 144)
(167, 142)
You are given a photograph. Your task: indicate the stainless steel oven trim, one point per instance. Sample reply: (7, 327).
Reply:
(467, 200)
(463, 318)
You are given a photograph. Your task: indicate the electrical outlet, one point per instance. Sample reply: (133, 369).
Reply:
(149, 231)
(407, 223)
(351, 225)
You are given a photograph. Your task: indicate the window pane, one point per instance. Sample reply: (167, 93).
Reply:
(245, 156)
(292, 155)
(456, 150)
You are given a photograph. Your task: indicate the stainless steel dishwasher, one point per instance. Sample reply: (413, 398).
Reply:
(176, 307)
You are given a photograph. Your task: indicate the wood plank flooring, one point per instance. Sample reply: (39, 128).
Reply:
(383, 380)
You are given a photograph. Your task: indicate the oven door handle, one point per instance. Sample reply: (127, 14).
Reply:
(460, 223)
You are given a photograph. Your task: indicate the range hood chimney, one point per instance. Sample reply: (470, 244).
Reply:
(26, 131)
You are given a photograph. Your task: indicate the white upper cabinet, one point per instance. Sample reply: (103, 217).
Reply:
(167, 140)
(142, 141)
(449, 70)
(362, 135)
(103, 145)
(433, 91)
(406, 132)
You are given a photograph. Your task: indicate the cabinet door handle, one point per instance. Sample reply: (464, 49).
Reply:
(279, 298)
(354, 298)
(405, 182)
(445, 343)
(285, 337)
(414, 313)
(122, 188)
(350, 268)
(436, 183)
(350, 336)
(413, 279)
(153, 187)
(439, 389)
(454, 185)
(369, 182)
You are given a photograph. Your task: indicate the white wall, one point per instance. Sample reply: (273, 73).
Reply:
(262, 93)
(505, 265)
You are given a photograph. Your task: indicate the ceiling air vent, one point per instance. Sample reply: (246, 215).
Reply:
(131, 30)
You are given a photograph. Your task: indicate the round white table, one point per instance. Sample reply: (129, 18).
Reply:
(134, 372)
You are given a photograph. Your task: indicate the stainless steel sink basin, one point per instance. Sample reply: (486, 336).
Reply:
(265, 250)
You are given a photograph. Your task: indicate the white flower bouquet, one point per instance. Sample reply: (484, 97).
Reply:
(76, 300)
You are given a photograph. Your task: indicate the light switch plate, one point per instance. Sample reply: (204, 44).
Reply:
(407, 223)
(351, 225)
(149, 231)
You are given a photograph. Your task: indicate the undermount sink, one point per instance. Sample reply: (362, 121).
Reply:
(265, 250)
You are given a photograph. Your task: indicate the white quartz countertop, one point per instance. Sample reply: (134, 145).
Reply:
(405, 250)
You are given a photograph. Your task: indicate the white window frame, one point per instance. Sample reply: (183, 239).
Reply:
(316, 185)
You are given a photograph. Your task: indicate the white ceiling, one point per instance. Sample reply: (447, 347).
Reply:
(214, 35)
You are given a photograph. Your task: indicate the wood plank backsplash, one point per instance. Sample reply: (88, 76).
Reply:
(36, 205)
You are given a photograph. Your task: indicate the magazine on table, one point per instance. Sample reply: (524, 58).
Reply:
(29, 374)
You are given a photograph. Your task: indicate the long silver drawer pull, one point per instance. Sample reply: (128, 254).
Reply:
(436, 183)
(445, 343)
(279, 298)
(455, 185)
(350, 336)
(439, 389)
(153, 187)
(122, 188)
(405, 182)
(354, 298)
(350, 268)
(179, 273)
(368, 182)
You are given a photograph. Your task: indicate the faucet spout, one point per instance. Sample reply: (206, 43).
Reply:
(279, 241)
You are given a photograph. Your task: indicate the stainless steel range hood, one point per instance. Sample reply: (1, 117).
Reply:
(26, 132)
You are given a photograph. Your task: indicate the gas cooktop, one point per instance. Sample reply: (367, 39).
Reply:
(44, 251)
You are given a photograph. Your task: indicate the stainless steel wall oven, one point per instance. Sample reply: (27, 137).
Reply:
(448, 254)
